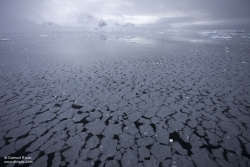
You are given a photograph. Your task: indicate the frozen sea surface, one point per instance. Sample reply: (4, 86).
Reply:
(126, 98)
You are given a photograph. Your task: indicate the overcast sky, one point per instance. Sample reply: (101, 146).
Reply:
(203, 14)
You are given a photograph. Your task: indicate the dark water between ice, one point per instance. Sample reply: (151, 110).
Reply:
(162, 98)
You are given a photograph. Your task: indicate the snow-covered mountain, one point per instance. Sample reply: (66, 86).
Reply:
(102, 23)
(128, 24)
(89, 21)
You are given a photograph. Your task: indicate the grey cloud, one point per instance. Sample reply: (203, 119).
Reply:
(213, 13)
(223, 14)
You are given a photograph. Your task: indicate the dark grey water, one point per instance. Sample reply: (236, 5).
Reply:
(167, 98)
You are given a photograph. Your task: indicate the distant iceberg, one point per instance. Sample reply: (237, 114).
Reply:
(208, 32)
(221, 37)
(226, 37)
(240, 31)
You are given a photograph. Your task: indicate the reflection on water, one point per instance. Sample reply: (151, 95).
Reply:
(196, 40)
(191, 39)
(137, 40)
(189, 36)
